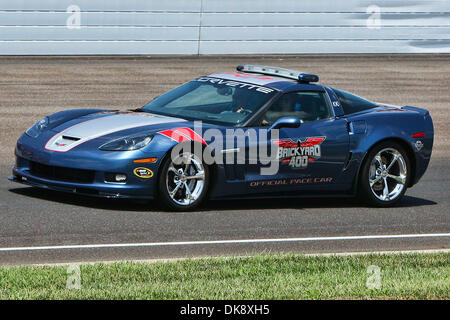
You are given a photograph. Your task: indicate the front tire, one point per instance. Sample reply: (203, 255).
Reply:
(183, 182)
(385, 175)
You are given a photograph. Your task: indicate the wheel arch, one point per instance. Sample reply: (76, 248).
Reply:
(408, 149)
(212, 167)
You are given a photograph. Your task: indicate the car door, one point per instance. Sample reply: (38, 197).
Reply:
(309, 157)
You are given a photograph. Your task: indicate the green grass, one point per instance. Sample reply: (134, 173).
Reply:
(403, 276)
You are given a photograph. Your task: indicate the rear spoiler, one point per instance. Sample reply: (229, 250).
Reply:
(415, 109)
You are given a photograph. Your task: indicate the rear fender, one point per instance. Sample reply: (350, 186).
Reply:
(399, 127)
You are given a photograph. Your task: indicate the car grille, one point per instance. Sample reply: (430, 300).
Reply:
(61, 173)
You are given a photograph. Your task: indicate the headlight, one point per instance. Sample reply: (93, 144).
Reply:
(127, 144)
(36, 129)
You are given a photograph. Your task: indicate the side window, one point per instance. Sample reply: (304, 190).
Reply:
(305, 105)
(351, 103)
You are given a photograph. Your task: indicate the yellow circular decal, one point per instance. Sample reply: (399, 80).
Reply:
(143, 172)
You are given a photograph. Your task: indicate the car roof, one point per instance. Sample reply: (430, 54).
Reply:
(274, 82)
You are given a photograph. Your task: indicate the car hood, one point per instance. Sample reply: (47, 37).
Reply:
(79, 130)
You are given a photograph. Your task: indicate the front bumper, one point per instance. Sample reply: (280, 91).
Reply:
(93, 184)
(102, 190)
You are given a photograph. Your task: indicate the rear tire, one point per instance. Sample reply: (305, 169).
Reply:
(183, 182)
(384, 175)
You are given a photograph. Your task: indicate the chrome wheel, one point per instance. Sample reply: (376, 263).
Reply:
(185, 179)
(387, 174)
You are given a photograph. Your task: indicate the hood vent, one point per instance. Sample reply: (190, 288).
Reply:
(70, 138)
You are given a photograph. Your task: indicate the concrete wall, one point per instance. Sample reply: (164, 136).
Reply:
(223, 26)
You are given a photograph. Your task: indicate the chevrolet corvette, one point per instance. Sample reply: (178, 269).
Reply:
(323, 142)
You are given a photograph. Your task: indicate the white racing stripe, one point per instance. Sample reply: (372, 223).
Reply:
(213, 242)
(97, 127)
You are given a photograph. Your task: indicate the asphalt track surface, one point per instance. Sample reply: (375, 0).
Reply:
(39, 226)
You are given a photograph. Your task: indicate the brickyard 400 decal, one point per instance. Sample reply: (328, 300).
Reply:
(298, 154)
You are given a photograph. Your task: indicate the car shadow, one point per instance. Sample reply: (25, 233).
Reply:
(83, 201)
(211, 205)
(305, 203)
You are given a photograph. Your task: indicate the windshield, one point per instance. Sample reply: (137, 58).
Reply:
(212, 100)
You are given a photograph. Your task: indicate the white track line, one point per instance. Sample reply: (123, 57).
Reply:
(212, 242)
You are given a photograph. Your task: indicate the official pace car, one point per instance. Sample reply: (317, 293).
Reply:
(320, 141)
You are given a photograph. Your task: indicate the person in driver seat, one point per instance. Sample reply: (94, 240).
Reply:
(308, 110)
(283, 107)
(240, 100)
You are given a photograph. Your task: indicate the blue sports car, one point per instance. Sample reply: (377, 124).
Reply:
(258, 132)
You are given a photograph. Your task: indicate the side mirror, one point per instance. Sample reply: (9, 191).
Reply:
(286, 122)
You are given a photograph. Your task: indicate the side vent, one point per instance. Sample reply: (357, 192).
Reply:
(349, 158)
(357, 127)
